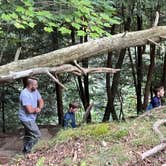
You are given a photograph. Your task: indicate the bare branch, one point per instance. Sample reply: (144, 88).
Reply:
(57, 70)
(80, 68)
(156, 19)
(56, 80)
(151, 41)
(17, 54)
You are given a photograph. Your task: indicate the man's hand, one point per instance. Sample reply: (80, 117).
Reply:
(38, 110)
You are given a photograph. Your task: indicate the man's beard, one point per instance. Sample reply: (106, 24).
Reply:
(33, 89)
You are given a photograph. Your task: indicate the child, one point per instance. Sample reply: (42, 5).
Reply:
(156, 100)
(69, 118)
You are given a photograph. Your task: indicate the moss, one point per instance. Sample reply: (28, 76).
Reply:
(93, 130)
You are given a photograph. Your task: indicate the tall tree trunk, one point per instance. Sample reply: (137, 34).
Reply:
(149, 76)
(139, 70)
(164, 72)
(110, 104)
(59, 104)
(133, 69)
(59, 99)
(84, 86)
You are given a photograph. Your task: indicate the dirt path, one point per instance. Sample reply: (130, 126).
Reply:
(11, 144)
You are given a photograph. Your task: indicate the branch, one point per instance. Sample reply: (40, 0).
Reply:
(80, 68)
(153, 151)
(58, 70)
(56, 80)
(151, 41)
(87, 112)
(156, 19)
(17, 54)
(159, 147)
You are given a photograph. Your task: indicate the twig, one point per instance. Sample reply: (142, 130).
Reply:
(151, 41)
(156, 19)
(56, 80)
(17, 54)
(79, 67)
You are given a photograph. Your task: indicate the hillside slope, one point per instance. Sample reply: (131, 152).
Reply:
(100, 144)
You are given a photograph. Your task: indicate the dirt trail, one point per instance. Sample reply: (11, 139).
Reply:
(11, 144)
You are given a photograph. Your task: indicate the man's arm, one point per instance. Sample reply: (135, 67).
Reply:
(40, 105)
(30, 109)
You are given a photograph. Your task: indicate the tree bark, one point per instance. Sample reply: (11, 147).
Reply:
(59, 104)
(164, 72)
(149, 76)
(85, 50)
(59, 100)
(139, 69)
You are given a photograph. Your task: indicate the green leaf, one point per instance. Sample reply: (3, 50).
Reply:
(31, 24)
(14, 15)
(76, 26)
(113, 21)
(52, 24)
(48, 29)
(20, 9)
(104, 16)
(94, 35)
(6, 17)
(19, 26)
(65, 30)
(107, 25)
(81, 33)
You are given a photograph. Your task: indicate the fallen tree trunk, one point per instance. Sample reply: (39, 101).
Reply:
(85, 50)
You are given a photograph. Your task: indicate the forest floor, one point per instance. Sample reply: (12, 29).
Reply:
(103, 144)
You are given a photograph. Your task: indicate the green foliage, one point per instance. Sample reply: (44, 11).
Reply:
(28, 14)
(40, 161)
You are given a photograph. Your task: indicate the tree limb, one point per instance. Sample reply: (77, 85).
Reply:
(58, 70)
(17, 54)
(159, 147)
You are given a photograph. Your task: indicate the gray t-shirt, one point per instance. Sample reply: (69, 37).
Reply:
(28, 98)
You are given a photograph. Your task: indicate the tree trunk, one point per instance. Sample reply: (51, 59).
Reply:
(149, 76)
(110, 104)
(84, 90)
(139, 70)
(164, 72)
(85, 50)
(59, 104)
(59, 100)
(133, 69)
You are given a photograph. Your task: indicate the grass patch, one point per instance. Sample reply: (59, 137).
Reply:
(95, 130)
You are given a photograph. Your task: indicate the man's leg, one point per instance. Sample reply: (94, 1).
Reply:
(32, 134)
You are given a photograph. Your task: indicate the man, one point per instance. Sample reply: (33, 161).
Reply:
(31, 104)
(69, 117)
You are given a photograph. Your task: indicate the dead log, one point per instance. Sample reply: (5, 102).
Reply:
(159, 147)
(85, 50)
(153, 151)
